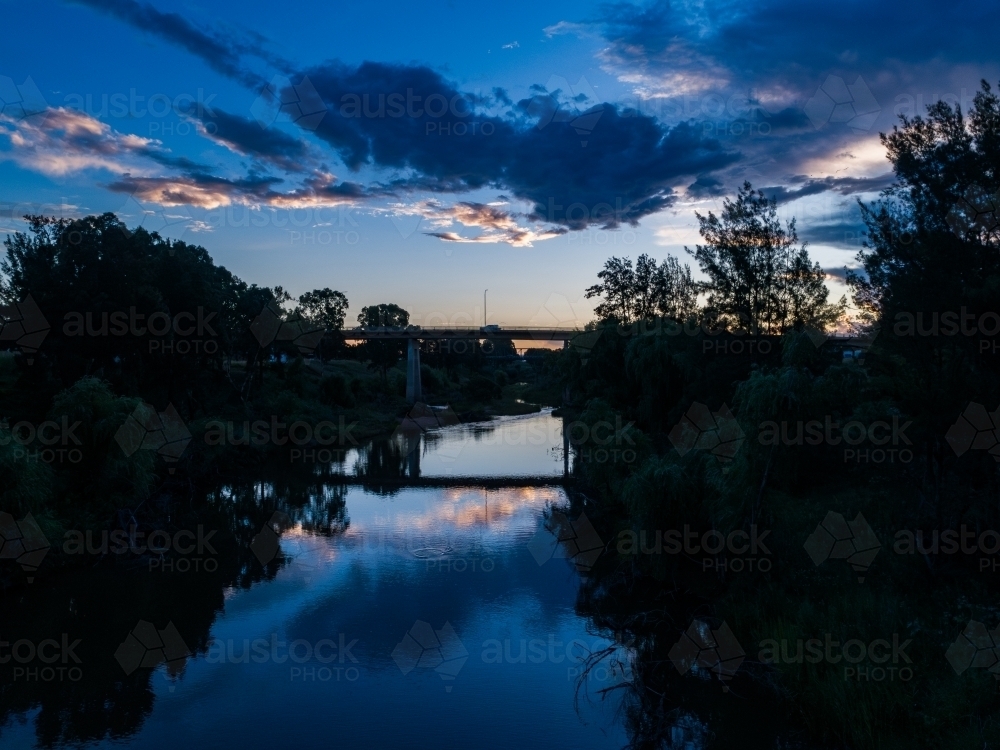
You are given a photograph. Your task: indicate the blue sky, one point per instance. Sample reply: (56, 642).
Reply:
(553, 136)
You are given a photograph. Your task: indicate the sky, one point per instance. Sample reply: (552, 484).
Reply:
(421, 153)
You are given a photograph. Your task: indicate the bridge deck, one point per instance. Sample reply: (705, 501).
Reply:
(433, 332)
(520, 333)
(458, 481)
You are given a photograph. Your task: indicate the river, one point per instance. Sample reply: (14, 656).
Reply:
(359, 615)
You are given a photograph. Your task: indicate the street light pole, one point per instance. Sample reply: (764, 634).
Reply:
(484, 307)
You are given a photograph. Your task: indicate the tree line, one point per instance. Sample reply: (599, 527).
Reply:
(758, 280)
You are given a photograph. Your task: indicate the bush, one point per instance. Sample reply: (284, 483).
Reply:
(481, 389)
(429, 379)
(335, 391)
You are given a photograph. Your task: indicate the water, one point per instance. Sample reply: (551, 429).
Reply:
(422, 617)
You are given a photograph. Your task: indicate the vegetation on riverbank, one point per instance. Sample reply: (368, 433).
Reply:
(138, 373)
(778, 441)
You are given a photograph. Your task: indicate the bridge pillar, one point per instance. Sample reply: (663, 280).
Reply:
(414, 392)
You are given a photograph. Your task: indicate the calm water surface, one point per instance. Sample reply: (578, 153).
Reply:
(431, 618)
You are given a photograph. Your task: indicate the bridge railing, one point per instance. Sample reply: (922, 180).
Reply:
(515, 332)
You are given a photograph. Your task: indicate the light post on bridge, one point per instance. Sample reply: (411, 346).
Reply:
(484, 307)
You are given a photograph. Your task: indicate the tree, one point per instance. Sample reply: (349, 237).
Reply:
(757, 279)
(324, 307)
(644, 291)
(675, 293)
(934, 237)
(616, 287)
(931, 266)
(383, 354)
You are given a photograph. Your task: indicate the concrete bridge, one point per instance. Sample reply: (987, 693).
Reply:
(453, 481)
(850, 346)
(413, 335)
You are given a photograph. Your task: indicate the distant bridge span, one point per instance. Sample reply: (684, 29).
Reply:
(413, 335)
(425, 333)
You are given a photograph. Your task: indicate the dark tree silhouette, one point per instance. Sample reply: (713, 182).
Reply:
(757, 279)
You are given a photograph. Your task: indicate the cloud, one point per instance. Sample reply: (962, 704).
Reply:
(497, 224)
(706, 186)
(802, 186)
(782, 45)
(62, 141)
(600, 165)
(759, 75)
(223, 54)
(616, 167)
(841, 273)
(845, 235)
(246, 137)
(208, 191)
(569, 27)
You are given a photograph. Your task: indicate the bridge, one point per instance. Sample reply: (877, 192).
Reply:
(424, 333)
(491, 483)
(850, 346)
(413, 335)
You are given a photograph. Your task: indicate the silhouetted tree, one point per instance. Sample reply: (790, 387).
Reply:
(757, 279)
(382, 355)
(324, 307)
(644, 291)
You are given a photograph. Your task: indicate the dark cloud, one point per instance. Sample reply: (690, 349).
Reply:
(222, 54)
(706, 186)
(843, 235)
(802, 186)
(807, 78)
(791, 41)
(247, 137)
(600, 166)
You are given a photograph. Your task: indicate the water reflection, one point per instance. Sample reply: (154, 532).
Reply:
(524, 446)
(416, 616)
